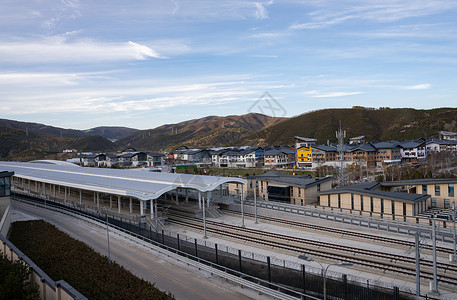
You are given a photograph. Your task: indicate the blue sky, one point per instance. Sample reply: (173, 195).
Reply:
(82, 64)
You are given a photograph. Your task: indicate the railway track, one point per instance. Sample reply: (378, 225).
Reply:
(343, 232)
(362, 257)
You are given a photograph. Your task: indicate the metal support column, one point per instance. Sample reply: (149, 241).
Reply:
(110, 201)
(199, 200)
(418, 282)
(242, 206)
(255, 201)
(119, 204)
(131, 204)
(435, 281)
(141, 208)
(187, 196)
(204, 220)
(454, 257)
(177, 199)
(157, 215)
(98, 200)
(80, 197)
(152, 209)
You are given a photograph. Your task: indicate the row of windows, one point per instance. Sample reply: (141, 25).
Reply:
(450, 189)
(371, 204)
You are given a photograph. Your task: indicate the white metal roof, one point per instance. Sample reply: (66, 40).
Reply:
(141, 185)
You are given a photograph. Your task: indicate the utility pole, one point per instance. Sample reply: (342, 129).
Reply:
(435, 281)
(418, 282)
(340, 135)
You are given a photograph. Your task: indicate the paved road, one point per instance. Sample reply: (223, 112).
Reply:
(182, 281)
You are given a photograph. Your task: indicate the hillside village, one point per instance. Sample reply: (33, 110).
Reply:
(305, 154)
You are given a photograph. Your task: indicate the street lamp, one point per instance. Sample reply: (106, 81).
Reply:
(454, 258)
(107, 233)
(324, 270)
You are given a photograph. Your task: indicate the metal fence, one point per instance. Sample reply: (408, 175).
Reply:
(307, 280)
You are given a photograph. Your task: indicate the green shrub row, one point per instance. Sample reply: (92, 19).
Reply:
(63, 257)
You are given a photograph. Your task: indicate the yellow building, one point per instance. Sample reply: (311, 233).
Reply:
(304, 157)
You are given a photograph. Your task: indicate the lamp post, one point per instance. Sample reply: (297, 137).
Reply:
(454, 258)
(107, 233)
(324, 270)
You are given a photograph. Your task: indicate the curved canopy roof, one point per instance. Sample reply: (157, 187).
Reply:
(142, 185)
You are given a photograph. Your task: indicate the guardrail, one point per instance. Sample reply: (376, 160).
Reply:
(442, 234)
(262, 286)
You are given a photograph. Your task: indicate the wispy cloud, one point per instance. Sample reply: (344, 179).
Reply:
(424, 86)
(261, 12)
(46, 51)
(318, 94)
(336, 12)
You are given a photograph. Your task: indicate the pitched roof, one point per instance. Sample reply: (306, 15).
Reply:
(396, 196)
(385, 145)
(292, 180)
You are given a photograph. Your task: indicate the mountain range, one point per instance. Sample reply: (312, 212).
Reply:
(24, 141)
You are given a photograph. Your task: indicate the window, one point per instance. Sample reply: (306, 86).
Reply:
(328, 201)
(382, 205)
(299, 192)
(450, 189)
(339, 200)
(393, 208)
(404, 209)
(433, 200)
(319, 187)
(437, 189)
(361, 202)
(424, 189)
(352, 201)
(371, 204)
(4, 186)
(447, 203)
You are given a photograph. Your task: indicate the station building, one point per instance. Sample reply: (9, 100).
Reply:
(293, 189)
(366, 199)
(441, 190)
(124, 191)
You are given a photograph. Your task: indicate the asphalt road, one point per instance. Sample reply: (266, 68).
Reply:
(182, 281)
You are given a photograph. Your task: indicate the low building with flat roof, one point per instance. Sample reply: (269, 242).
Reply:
(441, 190)
(366, 199)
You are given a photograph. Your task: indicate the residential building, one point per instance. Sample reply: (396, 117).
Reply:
(155, 159)
(304, 142)
(357, 140)
(413, 151)
(304, 157)
(387, 152)
(279, 157)
(447, 135)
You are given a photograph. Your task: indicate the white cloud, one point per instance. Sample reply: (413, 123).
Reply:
(336, 12)
(424, 86)
(56, 50)
(261, 11)
(318, 94)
